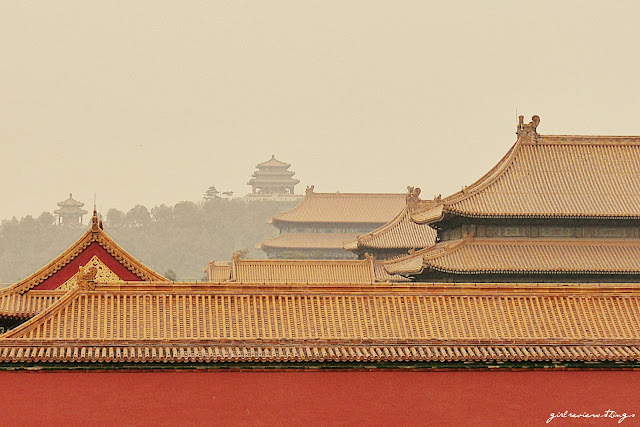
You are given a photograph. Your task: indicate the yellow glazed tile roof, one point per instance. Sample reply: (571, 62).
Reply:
(524, 255)
(27, 304)
(344, 208)
(303, 271)
(308, 241)
(554, 176)
(399, 233)
(290, 271)
(18, 300)
(186, 322)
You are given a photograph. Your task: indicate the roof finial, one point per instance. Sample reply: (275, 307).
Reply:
(94, 220)
(413, 196)
(529, 130)
(309, 190)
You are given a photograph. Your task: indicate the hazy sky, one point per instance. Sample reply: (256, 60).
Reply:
(153, 101)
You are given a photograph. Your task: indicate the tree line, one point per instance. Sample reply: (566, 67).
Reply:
(176, 240)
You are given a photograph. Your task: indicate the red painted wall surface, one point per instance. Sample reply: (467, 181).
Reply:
(66, 272)
(323, 397)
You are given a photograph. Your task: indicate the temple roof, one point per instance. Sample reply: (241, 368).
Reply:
(344, 208)
(288, 271)
(399, 233)
(273, 162)
(375, 323)
(524, 255)
(71, 202)
(308, 241)
(561, 176)
(70, 206)
(17, 301)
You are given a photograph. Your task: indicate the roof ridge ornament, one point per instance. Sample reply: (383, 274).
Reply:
(309, 190)
(87, 278)
(413, 196)
(94, 221)
(528, 131)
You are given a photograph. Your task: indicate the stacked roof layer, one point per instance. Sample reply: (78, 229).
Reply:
(159, 322)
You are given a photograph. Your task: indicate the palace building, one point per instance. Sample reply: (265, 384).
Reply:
(322, 223)
(399, 236)
(555, 208)
(299, 271)
(534, 266)
(43, 288)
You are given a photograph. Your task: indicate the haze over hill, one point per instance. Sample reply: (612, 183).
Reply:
(152, 102)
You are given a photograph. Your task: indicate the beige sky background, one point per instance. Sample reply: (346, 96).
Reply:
(153, 101)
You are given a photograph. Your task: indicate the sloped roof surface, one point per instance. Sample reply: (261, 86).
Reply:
(399, 233)
(554, 176)
(186, 323)
(524, 255)
(344, 208)
(308, 241)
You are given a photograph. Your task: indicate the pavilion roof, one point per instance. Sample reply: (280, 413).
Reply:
(399, 233)
(21, 300)
(553, 176)
(344, 208)
(308, 241)
(472, 255)
(70, 202)
(186, 323)
(273, 162)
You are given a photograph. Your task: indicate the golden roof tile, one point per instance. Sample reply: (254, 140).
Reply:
(412, 322)
(562, 176)
(344, 208)
(14, 299)
(308, 241)
(524, 255)
(290, 271)
(399, 233)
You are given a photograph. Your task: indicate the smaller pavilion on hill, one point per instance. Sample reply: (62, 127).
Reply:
(322, 223)
(70, 212)
(273, 179)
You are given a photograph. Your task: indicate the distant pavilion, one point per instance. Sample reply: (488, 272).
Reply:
(273, 180)
(70, 212)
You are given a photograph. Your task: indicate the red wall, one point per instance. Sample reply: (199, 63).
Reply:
(66, 272)
(350, 397)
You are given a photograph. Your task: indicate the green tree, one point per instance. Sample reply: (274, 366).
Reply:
(115, 218)
(171, 275)
(162, 213)
(46, 219)
(211, 193)
(138, 216)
